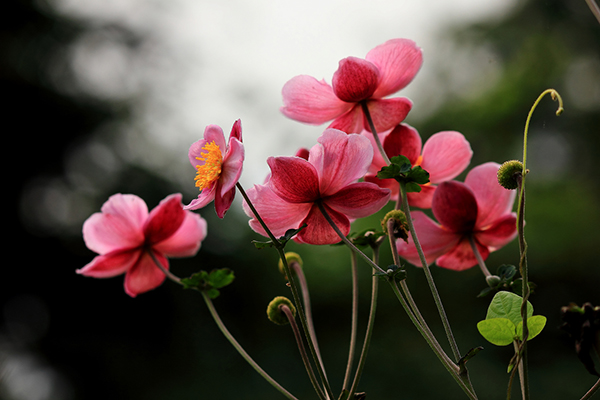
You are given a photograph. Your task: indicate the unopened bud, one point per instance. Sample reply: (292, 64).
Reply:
(508, 172)
(400, 229)
(274, 312)
(290, 257)
(493, 281)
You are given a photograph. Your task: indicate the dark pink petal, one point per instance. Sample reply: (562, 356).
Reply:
(231, 169)
(387, 113)
(236, 131)
(461, 257)
(445, 155)
(145, 275)
(293, 179)
(455, 207)
(279, 215)
(403, 140)
(340, 159)
(223, 202)
(319, 231)
(185, 242)
(307, 100)
(164, 220)
(302, 153)
(493, 200)
(398, 61)
(118, 226)
(378, 161)
(434, 240)
(503, 231)
(355, 80)
(349, 122)
(206, 196)
(422, 199)
(358, 200)
(390, 184)
(111, 264)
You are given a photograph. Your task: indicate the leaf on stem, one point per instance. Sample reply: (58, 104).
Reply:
(209, 282)
(401, 170)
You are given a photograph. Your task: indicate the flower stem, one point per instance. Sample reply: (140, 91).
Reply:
(313, 379)
(294, 288)
(365, 109)
(478, 257)
(591, 392)
(434, 292)
(594, 8)
(354, 323)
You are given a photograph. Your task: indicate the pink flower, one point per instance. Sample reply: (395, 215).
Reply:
(480, 208)
(218, 167)
(445, 155)
(385, 70)
(296, 185)
(124, 234)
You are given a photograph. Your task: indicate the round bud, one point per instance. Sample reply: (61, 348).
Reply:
(508, 172)
(274, 312)
(400, 228)
(493, 281)
(291, 257)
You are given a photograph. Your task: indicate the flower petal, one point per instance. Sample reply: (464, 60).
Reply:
(398, 61)
(445, 155)
(493, 200)
(461, 257)
(119, 225)
(422, 199)
(307, 100)
(236, 131)
(185, 242)
(387, 113)
(111, 264)
(164, 220)
(390, 184)
(212, 133)
(503, 231)
(319, 231)
(359, 199)
(278, 214)
(349, 122)
(145, 275)
(434, 240)
(231, 169)
(403, 140)
(206, 196)
(340, 159)
(223, 202)
(455, 207)
(355, 80)
(293, 179)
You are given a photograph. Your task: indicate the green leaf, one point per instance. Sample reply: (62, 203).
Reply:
(498, 331)
(506, 272)
(261, 245)
(213, 293)
(194, 281)
(412, 187)
(535, 325)
(220, 278)
(507, 305)
(419, 175)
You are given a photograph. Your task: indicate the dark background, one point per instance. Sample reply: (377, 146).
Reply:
(63, 336)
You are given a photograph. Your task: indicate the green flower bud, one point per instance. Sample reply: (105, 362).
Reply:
(493, 281)
(401, 229)
(275, 314)
(508, 172)
(291, 257)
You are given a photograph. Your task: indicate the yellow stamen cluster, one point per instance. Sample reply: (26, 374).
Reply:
(210, 171)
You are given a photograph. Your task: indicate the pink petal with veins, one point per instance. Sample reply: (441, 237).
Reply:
(445, 155)
(387, 113)
(145, 275)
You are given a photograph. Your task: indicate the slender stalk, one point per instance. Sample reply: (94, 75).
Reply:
(432, 287)
(521, 369)
(354, 323)
(478, 257)
(225, 331)
(345, 239)
(313, 379)
(370, 324)
(594, 8)
(294, 288)
(365, 109)
(591, 392)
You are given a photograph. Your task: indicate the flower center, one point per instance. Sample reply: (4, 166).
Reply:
(210, 171)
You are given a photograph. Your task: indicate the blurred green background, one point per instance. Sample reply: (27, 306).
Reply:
(63, 336)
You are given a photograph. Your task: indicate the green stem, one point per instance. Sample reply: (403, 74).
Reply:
(478, 257)
(294, 288)
(432, 287)
(365, 109)
(370, 324)
(241, 350)
(354, 323)
(313, 379)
